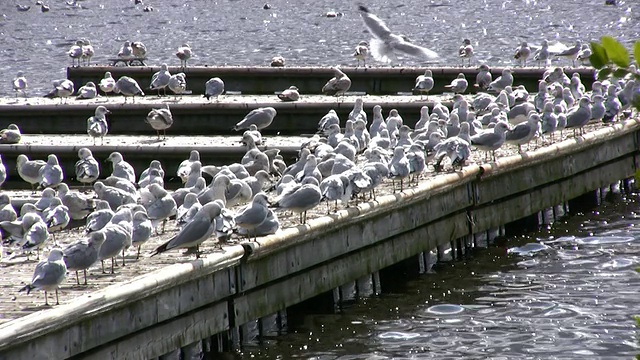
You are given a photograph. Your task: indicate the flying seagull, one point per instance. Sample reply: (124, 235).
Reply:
(386, 44)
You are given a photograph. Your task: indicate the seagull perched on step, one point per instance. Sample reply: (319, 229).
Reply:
(386, 44)
(337, 85)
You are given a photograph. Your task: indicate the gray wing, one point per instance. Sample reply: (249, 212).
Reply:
(376, 26)
(521, 131)
(48, 274)
(414, 50)
(197, 229)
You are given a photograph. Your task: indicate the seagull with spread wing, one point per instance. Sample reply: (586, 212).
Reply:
(386, 44)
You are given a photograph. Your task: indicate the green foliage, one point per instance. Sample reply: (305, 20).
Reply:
(611, 58)
(615, 51)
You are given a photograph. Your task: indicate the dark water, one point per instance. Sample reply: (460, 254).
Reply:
(241, 32)
(576, 299)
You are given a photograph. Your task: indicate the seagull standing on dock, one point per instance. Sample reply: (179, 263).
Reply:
(87, 167)
(572, 52)
(160, 79)
(261, 117)
(522, 53)
(337, 85)
(214, 87)
(195, 232)
(87, 91)
(385, 44)
(82, 254)
(97, 124)
(543, 53)
(107, 83)
(48, 275)
(127, 86)
(20, 84)
(465, 51)
(138, 49)
(160, 120)
(458, 85)
(75, 52)
(424, 83)
(62, 88)
(10, 135)
(178, 84)
(483, 78)
(126, 52)
(184, 54)
(290, 94)
(361, 52)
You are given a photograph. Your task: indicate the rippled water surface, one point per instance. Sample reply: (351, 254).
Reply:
(572, 297)
(241, 32)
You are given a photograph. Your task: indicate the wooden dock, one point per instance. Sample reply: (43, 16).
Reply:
(194, 115)
(264, 80)
(179, 305)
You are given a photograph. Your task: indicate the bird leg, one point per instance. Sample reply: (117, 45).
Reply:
(102, 261)
(57, 302)
(46, 300)
(122, 256)
(138, 256)
(85, 276)
(77, 278)
(113, 260)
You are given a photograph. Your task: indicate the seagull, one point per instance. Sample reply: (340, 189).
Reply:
(290, 94)
(87, 91)
(483, 78)
(195, 232)
(466, 51)
(160, 119)
(214, 87)
(87, 168)
(160, 79)
(543, 53)
(126, 51)
(138, 49)
(62, 88)
(75, 52)
(127, 86)
(87, 51)
(107, 83)
(10, 135)
(458, 85)
(48, 275)
(184, 54)
(385, 44)
(361, 52)
(97, 124)
(572, 52)
(338, 85)
(277, 61)
(424, 83)
(261, 117)
(522, 53)
(178, 84)
(20, 84)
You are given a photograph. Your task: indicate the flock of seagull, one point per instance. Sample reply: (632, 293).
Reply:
(344, 162)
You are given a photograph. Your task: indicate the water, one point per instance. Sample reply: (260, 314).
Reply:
(235, 32)
(573, 299)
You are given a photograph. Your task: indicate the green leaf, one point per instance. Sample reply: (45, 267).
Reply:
(636, 51)
(598, 56)
(604, 73)
(616, 51)
(620, 73)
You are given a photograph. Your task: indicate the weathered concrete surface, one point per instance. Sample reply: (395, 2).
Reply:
(303, 261)
(267, 80)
